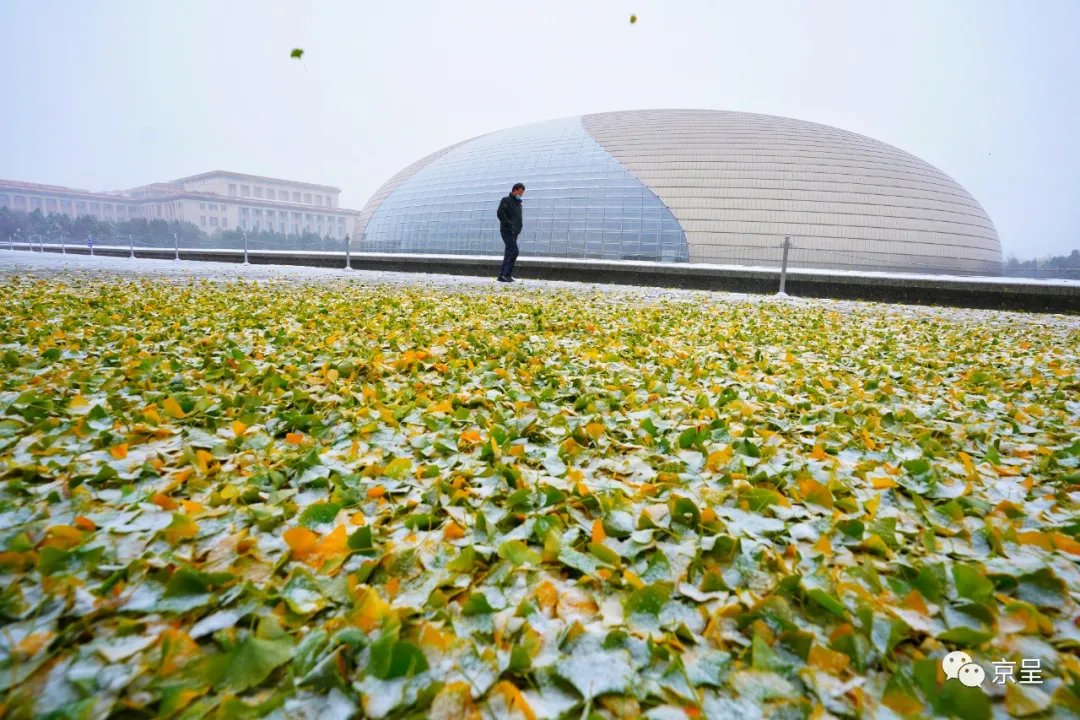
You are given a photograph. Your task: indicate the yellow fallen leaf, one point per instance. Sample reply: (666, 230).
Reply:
(514, 699)
(718, 458)
(203, 460)
(1034, 537)
(823, 545)
(191, 508)
(32, 643)
(547, 595)
(301, 541)
(335, 543)
(815, 493)
(370, 609)
(828, 660)
(902, 703)
(84, 523)
(914, 601)
(19, 560)
(150, 412)
(454, 702)
(598, 534)
(432, 637)
(443, 406)
(869, 441)
(62, 536)
(164, 501)
(969, 466)
(1065, 543)
(172, 408)
(181, 528)
(119, 451)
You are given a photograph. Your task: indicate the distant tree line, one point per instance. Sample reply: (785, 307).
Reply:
(53, 228)
(1054, 266)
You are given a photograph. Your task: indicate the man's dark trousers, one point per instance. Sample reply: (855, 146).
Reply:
(510, 256)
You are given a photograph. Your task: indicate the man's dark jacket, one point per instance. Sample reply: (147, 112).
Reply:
(510, 215)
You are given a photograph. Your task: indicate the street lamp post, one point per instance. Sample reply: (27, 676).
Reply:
(176, 245)
(348, 257)
(245, 248)
(131, 247)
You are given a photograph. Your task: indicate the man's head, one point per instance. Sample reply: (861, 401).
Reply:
(518, 190)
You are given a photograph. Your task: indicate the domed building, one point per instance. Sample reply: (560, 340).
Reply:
(699, 186)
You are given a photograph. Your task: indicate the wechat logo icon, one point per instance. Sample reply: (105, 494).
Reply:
(958, 666)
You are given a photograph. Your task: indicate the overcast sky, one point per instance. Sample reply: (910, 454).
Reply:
(108, 94)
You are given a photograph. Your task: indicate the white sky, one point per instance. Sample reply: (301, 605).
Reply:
(107, 94)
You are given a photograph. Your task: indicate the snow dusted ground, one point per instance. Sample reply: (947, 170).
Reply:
(76, 267)
(85, 266)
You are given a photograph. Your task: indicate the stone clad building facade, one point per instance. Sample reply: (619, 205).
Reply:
(212, 201)
(688, 186)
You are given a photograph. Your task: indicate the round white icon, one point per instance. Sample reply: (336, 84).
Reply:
(972, 675)
(953, 662)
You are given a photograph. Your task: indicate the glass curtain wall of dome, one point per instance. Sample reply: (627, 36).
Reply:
(700, 186)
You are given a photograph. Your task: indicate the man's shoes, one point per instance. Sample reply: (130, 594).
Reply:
(504, 279)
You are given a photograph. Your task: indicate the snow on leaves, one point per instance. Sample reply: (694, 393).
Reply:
(302, 500)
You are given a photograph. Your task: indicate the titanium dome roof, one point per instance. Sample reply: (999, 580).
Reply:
(697, 185)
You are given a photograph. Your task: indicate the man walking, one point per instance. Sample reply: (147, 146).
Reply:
(510, 218)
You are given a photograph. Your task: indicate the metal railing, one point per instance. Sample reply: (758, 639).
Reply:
(773, 253)
(62, 244)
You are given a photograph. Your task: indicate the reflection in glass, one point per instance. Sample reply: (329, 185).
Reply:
(579, 201)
